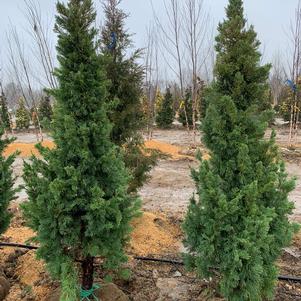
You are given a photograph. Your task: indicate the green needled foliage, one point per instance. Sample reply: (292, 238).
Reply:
(239, 223)
(165, 114)
(7, 192)
(5, 120)
(22, 116)
(126, 81)
(78, 201)
(45, 112)
(186, 109)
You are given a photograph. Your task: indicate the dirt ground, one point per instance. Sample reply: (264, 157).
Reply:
(171, 186)
(157, 233)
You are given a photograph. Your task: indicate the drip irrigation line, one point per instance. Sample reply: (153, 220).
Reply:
(140, 258)
(179, 262)
(289, 278)
(21, 246)
(280, 277)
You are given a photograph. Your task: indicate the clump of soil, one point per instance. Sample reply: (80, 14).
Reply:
(4, 287)
(28, 277)
(33, 279)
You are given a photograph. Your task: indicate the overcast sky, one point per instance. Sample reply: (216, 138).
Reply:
(270, 17)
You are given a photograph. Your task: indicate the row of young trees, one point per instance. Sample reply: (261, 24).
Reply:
(82, 194)
(170, 104)
(24, 117)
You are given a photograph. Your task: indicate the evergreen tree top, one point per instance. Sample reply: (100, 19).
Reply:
(238, 71)
(115, 38)
(124, 73)
(79, 62)
(235, 10)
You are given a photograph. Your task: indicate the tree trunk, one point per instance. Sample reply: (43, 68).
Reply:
(87, 273)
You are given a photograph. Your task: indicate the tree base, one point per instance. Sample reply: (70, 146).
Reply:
(107, 292)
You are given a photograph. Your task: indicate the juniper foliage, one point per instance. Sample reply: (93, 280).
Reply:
(126, 80)
(165, 112)
(22, 116)
(7, 190)
(78, 201)
(239, 222)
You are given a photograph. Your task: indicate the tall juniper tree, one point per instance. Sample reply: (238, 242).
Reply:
(239, 224)
(45, 111)
(126, 78)
(185, 111)
(22, 116)
(165, 111)
(78, 201)
(5, 119)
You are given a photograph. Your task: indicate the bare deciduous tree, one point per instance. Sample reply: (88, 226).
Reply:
(21, 71)
(277, 79)
(151, 76)
(196, 28)
(171, 43)
(186, 45)
(42, 49)
(295, 68)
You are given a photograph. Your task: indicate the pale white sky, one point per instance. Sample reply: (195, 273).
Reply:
(271, 19)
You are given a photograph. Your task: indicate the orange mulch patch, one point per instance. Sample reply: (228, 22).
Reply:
(26, 149)
(154, 234)
(27, 274)
(18, 235)
(166, 148)
(175, 152)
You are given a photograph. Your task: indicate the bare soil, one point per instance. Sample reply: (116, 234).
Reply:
(171, 186)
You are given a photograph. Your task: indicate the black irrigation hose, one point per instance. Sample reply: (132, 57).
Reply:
(289, 278)
(159, 260)
(280, 277)
(13, 245)
(169, 261)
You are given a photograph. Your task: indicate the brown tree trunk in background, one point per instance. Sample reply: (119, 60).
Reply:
(295, 74)
(87, 273)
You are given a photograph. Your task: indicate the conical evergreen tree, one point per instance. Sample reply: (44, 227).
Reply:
(239, 224)
(165, 111)
(158, 100)
(126, 78)
(5, 120)
(45, 112)
(78, 201)
(22, 116)
(186, 109)
(7, 192)
(34, 119)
